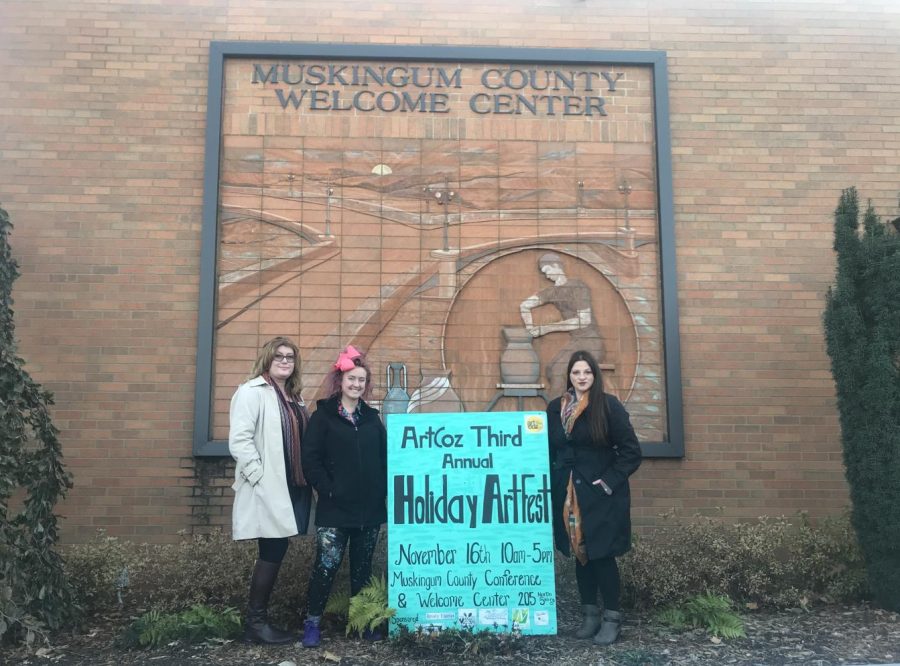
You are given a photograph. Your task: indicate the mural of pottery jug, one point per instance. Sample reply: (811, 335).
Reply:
(519, 362)
(435, 393)
(396, 399)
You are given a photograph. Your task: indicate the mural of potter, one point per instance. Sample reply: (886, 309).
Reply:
(572, 298)
(420, 245)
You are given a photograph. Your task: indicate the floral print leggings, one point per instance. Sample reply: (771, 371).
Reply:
(331, 542)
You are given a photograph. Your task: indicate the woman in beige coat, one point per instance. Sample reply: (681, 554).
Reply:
(272, 498)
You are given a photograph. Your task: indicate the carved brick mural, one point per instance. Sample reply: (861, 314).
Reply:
(467, 225)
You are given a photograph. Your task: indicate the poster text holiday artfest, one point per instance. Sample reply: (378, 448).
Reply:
(470, 542)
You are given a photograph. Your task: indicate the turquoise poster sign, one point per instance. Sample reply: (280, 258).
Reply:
(470, 543)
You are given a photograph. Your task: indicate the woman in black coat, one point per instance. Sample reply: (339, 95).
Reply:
(345, 461)
(593, 451)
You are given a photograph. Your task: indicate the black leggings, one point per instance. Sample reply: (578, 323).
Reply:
(599, 576)
(272, 550)
(330, 545)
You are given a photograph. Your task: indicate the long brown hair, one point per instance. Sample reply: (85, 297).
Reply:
(596, 413)
(333, 381)
(264, 360)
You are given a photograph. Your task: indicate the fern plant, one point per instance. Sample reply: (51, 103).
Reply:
(369, 609)
(199, 623)
(711, 612)
(338, 604)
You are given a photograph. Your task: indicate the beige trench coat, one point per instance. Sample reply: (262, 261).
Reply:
(262, 504)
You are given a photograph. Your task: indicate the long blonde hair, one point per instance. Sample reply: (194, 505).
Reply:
(292, 384)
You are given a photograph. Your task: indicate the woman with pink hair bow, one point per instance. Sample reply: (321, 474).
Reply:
(345, 460)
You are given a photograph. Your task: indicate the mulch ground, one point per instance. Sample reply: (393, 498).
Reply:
(822, 636)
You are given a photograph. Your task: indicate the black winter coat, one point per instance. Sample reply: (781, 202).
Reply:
(347, 466)
(605, 519)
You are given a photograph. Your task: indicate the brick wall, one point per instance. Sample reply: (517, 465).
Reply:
(775, 107)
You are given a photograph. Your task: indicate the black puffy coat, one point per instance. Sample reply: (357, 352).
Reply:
(347, 466)
(605, 519)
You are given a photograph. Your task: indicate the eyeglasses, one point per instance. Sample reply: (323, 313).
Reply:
(285, 358)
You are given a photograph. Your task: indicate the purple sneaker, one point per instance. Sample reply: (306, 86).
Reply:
(312, 635)
(372, 635)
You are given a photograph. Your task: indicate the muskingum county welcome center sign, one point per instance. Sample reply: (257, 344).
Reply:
(412, 89)
(470, 542)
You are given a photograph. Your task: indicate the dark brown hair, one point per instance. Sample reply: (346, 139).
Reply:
(596, 413)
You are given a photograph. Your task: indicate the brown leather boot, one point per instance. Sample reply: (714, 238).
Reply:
(256, 627)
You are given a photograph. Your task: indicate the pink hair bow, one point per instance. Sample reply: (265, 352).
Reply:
(345, 359)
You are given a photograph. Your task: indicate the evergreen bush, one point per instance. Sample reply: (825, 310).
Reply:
(35, 594)
(862, 331)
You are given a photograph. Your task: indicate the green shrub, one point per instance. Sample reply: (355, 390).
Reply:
(711, 612)
(200, 569)
(832, 558)
(769, 562)
(110, 573)
(197, 624)
(210, 569)
(99, 570)
(772, 562)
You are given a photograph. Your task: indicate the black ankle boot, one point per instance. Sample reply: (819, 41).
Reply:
(256, 627)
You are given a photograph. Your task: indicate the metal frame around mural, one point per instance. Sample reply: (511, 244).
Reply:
(204, 445)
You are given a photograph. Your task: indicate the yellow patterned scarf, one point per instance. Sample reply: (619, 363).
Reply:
(572, 518)
(570, 410)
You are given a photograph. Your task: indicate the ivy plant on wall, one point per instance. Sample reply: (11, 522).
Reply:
(35, 594)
